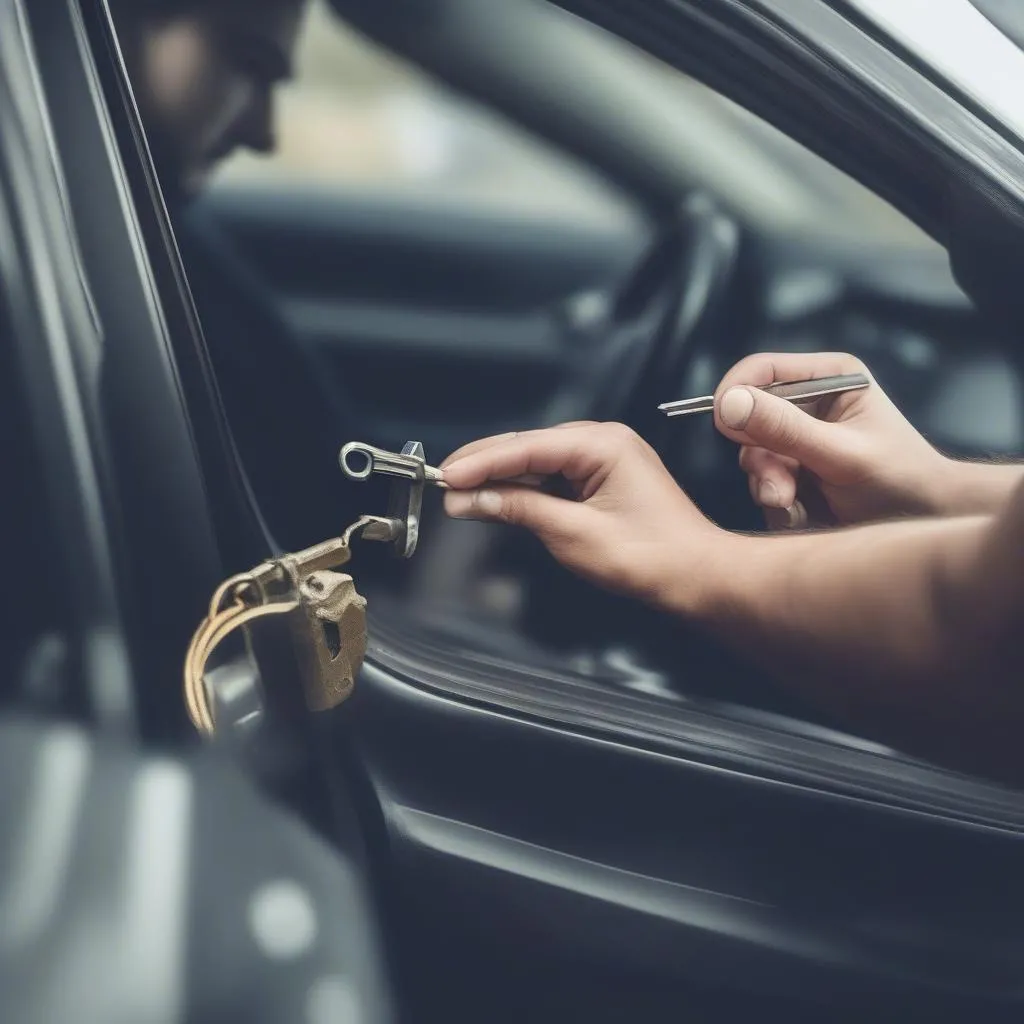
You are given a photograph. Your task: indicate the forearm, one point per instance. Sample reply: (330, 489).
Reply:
(905, 629)
(975, 488)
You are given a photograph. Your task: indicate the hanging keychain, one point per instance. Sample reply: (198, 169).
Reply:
(325, 613)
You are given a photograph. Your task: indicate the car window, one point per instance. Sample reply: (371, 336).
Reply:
(375, 257)
(357, 120)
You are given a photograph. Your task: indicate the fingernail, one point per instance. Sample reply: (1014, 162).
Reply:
(769, 495)
(489, 503)
(797, 516)
(736, 407)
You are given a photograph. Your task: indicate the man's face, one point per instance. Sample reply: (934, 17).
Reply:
(205, 82)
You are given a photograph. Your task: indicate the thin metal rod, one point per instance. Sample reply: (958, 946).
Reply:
(791, 391)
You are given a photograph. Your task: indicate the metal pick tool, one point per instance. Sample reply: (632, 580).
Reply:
(797, 391)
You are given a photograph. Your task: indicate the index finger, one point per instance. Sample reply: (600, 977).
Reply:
(488, 442)
(575, 452)
(776, 367)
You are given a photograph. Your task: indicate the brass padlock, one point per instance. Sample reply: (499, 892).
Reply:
(325, 613)
(328, 628)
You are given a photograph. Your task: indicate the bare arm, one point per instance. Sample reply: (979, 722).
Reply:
(977, 488)
(912, 630)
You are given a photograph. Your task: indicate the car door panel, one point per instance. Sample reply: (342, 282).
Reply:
(431, 319)
(633, 858)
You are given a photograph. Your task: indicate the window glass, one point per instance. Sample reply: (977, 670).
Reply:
(356, 119)
(340, 302)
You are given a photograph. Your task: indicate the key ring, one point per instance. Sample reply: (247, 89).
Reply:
(275, 587)
(212, 631)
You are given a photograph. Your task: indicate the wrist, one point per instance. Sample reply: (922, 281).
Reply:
(698, 578)
(943, 481)
(973, 488)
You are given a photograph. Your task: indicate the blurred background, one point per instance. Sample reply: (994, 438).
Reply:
(357, 120)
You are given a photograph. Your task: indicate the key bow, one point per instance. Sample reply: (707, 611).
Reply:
(408, 464)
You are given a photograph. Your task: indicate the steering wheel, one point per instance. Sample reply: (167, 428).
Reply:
(633, 358)
(656, 323)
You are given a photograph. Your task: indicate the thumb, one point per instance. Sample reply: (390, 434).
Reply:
(750, 416)
(543, 514)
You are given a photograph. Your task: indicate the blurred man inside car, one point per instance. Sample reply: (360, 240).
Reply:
(203, 74)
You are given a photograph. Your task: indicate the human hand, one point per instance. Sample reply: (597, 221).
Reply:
(852, 458)
(627, 527)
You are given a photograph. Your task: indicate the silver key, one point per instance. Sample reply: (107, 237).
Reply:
(797, 391)
(410, 472)
(409, 464)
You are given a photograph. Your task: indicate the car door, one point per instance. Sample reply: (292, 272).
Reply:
(141, 877)
(552, 848)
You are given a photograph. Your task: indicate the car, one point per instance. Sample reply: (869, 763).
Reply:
(540, 802)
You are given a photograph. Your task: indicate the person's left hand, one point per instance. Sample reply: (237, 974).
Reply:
(629, 527)
(855, 458)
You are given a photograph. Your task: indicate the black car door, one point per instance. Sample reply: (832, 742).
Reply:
(551, 847)
(142, 877)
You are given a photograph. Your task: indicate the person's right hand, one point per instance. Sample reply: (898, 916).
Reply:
(624, 523)
(851, 459)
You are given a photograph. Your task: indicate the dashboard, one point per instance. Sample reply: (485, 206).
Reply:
(957, 378)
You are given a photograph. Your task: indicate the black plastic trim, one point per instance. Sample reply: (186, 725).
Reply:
(736, 739)
(596, 850)
(59, 342)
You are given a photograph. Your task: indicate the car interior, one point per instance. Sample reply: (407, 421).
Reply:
(567, 806)
(444, 320)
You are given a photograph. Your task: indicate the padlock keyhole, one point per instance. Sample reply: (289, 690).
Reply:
(332, 637)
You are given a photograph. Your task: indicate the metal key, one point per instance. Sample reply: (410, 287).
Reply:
(411, 474)
(409, 464)
(797, 391)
